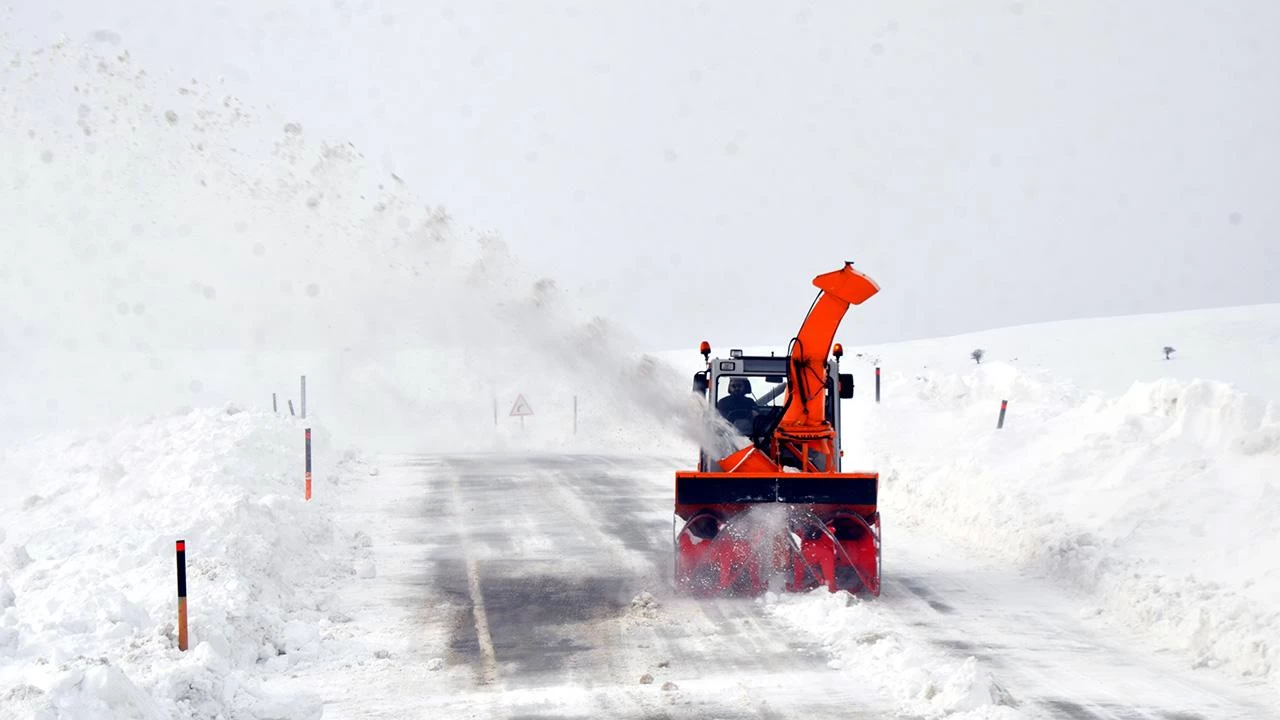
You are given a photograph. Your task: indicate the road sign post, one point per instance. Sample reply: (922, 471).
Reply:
(520, 409)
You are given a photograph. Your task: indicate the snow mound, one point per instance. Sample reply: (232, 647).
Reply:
(87, 577)
(1159, 505)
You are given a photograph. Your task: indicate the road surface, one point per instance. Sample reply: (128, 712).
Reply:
(517, 586)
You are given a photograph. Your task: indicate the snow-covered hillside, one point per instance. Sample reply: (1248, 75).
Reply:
(1232, 345)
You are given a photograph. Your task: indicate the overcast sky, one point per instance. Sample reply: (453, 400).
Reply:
(688, 167)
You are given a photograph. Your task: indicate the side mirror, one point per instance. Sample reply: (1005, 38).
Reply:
(700, 383)
(846, 386)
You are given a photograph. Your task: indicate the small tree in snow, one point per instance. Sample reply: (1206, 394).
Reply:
(977, 355)
(1168, 350)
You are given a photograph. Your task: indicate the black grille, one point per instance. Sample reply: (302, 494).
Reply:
(795, 490)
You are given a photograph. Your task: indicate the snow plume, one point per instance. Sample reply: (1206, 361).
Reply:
(651, 399)
(170, 246)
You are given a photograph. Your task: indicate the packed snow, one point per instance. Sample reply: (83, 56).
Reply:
(87, 552)
(1159, 502)
(872, 646)
(1159, 505)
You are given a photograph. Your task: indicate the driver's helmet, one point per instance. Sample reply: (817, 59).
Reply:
(741, 385)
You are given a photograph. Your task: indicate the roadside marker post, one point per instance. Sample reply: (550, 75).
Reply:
(182, 594)
(308, 463)
(1004, 405)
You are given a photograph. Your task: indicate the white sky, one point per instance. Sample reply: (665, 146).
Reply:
(690, 166)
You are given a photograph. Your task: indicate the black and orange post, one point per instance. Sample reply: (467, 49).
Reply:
(877, 383)
(182, 594)
(308, 463)
(1004, 405)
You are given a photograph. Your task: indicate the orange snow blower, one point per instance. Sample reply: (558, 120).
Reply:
(771, 504)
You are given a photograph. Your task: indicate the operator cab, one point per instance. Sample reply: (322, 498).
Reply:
(749, 392)
(747, 401)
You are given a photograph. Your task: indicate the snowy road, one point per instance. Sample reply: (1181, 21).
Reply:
(518, 586)
(1029, 635)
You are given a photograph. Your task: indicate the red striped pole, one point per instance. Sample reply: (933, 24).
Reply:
(1004, 405)
(308, 463)
(877, 383)
(182, 595)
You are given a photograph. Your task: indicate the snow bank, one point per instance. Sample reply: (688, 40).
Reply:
(87, 578)
(1161, 506)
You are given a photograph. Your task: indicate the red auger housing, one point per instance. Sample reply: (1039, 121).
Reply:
(778, 512)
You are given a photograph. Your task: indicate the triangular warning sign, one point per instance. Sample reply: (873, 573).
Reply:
(521, 407)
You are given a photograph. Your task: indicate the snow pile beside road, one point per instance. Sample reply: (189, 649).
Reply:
(867, 642)
(87, 578)
(1162, 505)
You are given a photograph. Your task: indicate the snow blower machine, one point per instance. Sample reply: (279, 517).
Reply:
(770, 508)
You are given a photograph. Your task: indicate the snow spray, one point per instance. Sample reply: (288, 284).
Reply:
(767, 528)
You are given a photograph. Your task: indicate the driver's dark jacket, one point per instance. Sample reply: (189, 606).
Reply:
(730, 403)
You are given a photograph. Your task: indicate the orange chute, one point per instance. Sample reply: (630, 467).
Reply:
(807, 375)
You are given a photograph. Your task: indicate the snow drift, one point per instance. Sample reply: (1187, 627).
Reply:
(87, 579)
(1159, 506)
